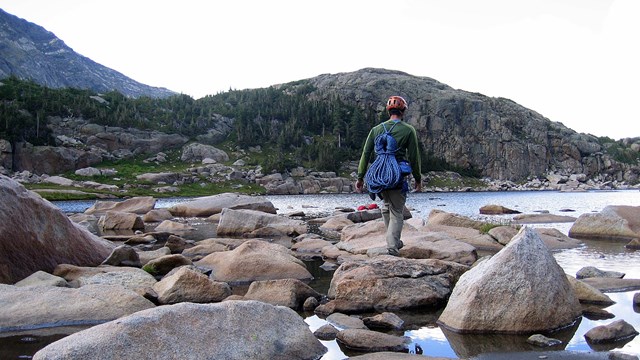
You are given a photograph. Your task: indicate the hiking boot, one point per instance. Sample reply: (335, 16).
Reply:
(393, 252)
(400, 244)
(372, 196)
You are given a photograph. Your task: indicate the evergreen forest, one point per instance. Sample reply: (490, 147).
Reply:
(300, 130)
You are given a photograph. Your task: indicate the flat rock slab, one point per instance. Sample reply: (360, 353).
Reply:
(612, 284)
(23, 308)
(209, 205)
(542, 219)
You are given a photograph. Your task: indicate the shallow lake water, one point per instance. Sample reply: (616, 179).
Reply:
(421, 326)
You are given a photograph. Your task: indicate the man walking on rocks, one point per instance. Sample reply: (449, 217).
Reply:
(407, 155)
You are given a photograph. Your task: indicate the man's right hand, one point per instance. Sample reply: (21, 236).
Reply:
(359, 185)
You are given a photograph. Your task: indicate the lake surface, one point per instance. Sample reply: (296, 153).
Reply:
(423, 331)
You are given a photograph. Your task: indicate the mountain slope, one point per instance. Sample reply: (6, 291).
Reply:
(28, 51)
(495, 136)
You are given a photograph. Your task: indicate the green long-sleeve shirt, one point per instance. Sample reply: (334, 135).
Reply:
(408, 148)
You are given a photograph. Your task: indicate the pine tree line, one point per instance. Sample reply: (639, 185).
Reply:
(300, 129)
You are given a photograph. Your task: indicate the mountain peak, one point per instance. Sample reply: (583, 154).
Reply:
(29, 51)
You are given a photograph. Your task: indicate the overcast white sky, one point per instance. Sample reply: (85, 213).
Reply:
(573, 61)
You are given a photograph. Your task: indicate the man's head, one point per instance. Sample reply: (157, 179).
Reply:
(396, 105)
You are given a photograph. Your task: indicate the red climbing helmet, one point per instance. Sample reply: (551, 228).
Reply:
(396, 102)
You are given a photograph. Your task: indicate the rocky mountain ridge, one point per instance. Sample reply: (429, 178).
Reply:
(498, 137)
(28, 51)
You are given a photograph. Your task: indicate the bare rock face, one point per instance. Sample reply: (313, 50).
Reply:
(233, 330)
(52, 159)
(616, 222)
(210, 205)
(539, 295)
(36, 235)
(502, 138)
(255, 260)
(387, 282)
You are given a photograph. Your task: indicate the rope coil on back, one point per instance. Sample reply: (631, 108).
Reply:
(384, 173)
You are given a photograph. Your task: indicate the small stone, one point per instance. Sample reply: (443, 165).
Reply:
(385, 320)
(310, 304)
(633, 244)
(542, 341)
(326, 332)
(616, 331)
(590, 272)
(345, 321)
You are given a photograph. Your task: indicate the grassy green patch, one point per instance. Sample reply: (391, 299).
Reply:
(451, 180)
(151, 269)
(486, 227)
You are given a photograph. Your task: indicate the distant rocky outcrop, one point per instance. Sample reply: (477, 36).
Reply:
(81, 144)
(496, 136)
(31, 52)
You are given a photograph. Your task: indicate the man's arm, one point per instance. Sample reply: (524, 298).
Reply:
(364, 161)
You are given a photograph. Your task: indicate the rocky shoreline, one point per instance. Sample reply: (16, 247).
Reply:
(237, 294)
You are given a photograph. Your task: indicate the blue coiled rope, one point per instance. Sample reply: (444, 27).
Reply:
(384, 173)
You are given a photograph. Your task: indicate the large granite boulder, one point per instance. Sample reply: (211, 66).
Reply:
(118, 220)
(388, 283)
(52, 159)
(198, 152)
(613, 222)
(188, 285)
(252, 223)
(255, 260)
(210, 205)
(137, 205)
(33, 307)
(616, 331)
(291, 293)
(36, 235)
(539, 298)
(228, 330)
